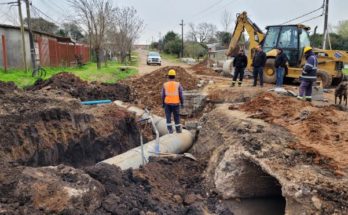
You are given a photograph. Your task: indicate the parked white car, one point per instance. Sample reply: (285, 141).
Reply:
(154, 58)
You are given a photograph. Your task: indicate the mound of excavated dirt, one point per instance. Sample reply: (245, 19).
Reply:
(202, 69)
(83, 90)
(7, 87)
(322, 131)
(147, 88)
(164, 186)
(48, 190)
(38, 130)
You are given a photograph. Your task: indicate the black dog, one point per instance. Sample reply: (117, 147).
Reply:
(341, 91)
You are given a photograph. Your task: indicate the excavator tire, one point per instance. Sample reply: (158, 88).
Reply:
(269, 72)
(324, 78)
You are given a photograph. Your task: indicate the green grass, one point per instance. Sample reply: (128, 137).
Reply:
(170, 57)
(345, 71)
(109, 74)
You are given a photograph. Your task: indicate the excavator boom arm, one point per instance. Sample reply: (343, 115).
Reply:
(255, 33)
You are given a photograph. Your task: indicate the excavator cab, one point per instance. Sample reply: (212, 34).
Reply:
(291, 38)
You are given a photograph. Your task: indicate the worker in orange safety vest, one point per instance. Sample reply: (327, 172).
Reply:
(172, 99)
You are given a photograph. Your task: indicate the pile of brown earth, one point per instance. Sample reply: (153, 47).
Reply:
(164, 186)
(7, 87)
(202, 69)
(320, 130)
(39, 128)
(83, 90)
(147, 88)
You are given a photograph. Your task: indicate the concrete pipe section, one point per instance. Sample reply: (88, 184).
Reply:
(159, 122)
(171, 143)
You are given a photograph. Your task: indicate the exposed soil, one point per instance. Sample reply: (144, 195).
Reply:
(48, 190)
(230, 138)
(36, 130)
(320, 130)
(164, 186)
(147, 89)
(202, 69)
(77, 88)
(7, 87)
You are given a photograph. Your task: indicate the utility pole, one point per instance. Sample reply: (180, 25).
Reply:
(159, 41)
(182, 38)
(31, 38)
(23, 38)
(326, 32)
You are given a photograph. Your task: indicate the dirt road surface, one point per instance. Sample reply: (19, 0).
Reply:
(146, 69)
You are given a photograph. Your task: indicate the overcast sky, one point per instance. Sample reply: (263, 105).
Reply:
(160, 16)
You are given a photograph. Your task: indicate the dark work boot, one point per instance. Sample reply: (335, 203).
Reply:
(170, 129)
(178, 129)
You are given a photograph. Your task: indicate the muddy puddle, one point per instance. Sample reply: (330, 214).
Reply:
(260, 206)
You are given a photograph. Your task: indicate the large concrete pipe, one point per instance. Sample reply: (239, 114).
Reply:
(171, 143)
(159, 122)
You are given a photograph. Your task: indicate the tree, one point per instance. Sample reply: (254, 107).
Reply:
(195, 50)
(202, 33)
(173, 47)
(172, 43)
(224, 38)
(96, 16)
(125, 30)
(226, 21)
(338, 42)
(171, 35)
(343, 28)
(40, 24)
(72, 30)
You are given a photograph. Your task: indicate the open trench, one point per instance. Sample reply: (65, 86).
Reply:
(50, 147)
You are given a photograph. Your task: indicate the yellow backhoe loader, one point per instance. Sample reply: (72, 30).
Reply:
(292, 39)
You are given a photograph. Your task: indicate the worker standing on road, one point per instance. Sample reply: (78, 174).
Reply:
(309, 74)
(259, 62)
(280, 65)
(172, 98)
(239, 63)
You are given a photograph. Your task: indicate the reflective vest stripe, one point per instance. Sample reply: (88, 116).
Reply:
(171, 89)
(308, 77)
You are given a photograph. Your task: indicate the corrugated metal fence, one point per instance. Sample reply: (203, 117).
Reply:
(49, 53)
(53, 53)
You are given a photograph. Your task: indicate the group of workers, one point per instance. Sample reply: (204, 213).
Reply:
(308, 77)
(172, 92)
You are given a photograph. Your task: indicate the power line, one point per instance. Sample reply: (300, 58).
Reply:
(38, 11)
(304, 15)
(219, 9)
(208, 8)
(316, 17)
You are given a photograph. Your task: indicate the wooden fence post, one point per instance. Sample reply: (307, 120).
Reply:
(4, 52)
